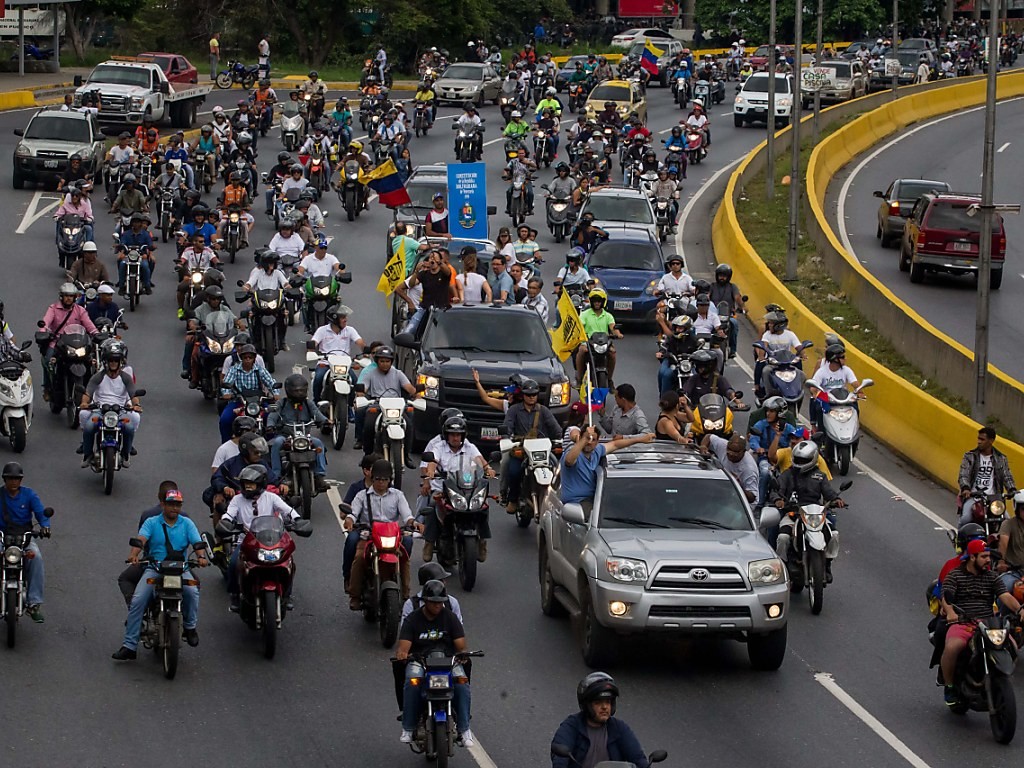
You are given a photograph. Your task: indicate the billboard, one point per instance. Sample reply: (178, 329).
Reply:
(647, 9)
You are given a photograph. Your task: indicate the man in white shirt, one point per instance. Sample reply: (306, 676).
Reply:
(336, 336)
(286, 242)
(267, 276)
(111, 386)
(675, 281)
(833, 374)
(229, 448)
(295, 180)
(534, 298)
(196, 257)
(320, 263)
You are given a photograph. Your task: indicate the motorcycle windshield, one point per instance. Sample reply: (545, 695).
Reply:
(290, 109)
(464, 474)
(74, 335)
(712, 407)
(219, 324)
(268, 530)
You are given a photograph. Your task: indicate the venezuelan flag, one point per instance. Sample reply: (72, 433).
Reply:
(649, 58)
(385, 181)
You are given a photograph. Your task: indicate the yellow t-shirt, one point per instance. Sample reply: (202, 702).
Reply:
(784, 460)
(214, 45)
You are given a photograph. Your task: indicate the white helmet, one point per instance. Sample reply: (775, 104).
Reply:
(517, 113)
(550, 91)
(89, 245)
(1018, 499)
(698, 103)
(742, 42)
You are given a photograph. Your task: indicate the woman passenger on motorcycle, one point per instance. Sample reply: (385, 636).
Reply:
(834, 374)
(698, 121)
(776, 337)
(111, 386)
(222, 130)
(674, 413)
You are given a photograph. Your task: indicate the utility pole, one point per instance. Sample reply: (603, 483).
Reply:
(769, 174)
(895, 44)
(817, 63)
(794, 173)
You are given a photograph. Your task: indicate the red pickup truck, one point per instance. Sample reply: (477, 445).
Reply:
(177, 69)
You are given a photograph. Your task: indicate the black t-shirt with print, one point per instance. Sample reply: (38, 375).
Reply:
(428, 634)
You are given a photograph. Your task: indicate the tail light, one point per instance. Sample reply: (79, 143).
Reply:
(894, 208)
(920, 237)
(1002, 245)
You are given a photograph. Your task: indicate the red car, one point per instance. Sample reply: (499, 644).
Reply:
(177, 69)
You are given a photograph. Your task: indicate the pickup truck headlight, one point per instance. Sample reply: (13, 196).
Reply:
(23, 151)
(766, 572)
(138, 102)
(430, 386)
(560, 392)
(626, 569)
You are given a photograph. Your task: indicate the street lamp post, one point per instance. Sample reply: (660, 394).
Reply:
(794, 173)
(817, 63)
(895, 44)
(769, 177)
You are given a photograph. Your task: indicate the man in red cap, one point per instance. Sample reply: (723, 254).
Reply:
(972, 587)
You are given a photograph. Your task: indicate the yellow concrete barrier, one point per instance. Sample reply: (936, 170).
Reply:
(17, 99)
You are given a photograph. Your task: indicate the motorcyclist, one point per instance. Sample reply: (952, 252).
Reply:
(468, 121)
(213, 301)
(245, 375)
(317, 144)
(723, 289)
(547, 125)
(519, 168)
(341, 119)
(563, 185)
(316, 89)
(244, 121)
(198, 226)
(385, 504)
(517, 128)
(773, 431)
(382, 381)
(236, 197)
(594, 735)
(245, 150)
(609, 115)
(263, 100)
(586, 235)
(430, 572)
(59, 315)
(596, 319)
(573, 273)
(103, 305)
(130, 197)
(550, 101)
(196, 257)
(664, 187)
(603, 71)
(208, 142)
(269, 276)
(224, 483)
(698, 121)
(679, 341)
(110, 386)
(164, 537)
(297, 408)
(526, 420)
(807, 483)
(985, 470)
(777, 336)
(336, 336)
(21, 505)
(425, 93)
(834, 374)
(78, 203)
(675, 145)
(707, 380)
(88, 270)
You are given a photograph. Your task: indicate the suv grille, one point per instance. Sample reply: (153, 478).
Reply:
(698, 612)
(49, 153)
(698, 578)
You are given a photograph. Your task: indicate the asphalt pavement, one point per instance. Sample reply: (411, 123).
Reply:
(326, 699)
(948, 149)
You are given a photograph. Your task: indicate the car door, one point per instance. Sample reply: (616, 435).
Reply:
(913, 226)
(883, 206)
(491, 85)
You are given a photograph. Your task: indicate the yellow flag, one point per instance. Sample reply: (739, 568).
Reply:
(569, 334)
(393, 274)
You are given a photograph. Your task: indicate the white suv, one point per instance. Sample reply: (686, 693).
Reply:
(751, 103)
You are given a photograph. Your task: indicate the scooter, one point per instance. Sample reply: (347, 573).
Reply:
(782, 374)
(840, 422)
(70, 239)
(15, 394)
(560, 215)
(695, 151)
(712, 416)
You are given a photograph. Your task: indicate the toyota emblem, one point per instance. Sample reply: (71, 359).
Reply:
(700, 574)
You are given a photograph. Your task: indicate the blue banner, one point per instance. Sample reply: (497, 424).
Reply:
(467, 200)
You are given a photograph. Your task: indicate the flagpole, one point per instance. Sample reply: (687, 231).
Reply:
(586, 402)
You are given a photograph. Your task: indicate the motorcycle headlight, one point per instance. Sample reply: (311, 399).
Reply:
(430, 386)
(214, 346)
(197, 278)
(252, 409)
(479, 498)
(559, 207)
(765, 572)
(12, 555)
(439, 681)
(388, 542)
(340, 370)
(77, 351)
(814, 520)
(786, 376)
(458, 501)
(268, 555)
(393, 413)
(134, 257)
(996, 636)
(233, 218)
(841, 415)
(6, 389)
(271, 304)
(172, 582)
(301, 444)
(325, 291)
(626, 569)
(711, 425)
(109, 419)
(560, 392)
(600, 349)
(227, 346)
(997, 508)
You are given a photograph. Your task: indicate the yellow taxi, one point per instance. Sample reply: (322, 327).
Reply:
(625, 94)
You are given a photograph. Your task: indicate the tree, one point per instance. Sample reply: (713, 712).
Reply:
(750, 17)
(80, 19)
(314, 26)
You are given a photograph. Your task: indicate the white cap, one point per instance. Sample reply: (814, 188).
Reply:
(106, 289)
(89, 245)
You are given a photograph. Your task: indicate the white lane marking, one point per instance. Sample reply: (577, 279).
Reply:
(33, 213)
(845, 189)
(891, 487)
(1003, 147)
(830, 685)
(482, 758)
(685, 213)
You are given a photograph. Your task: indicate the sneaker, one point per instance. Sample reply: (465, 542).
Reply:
(134, 451)
(35, 612)
(320, 484)
(181, 313)
(123, 654)
(357, 445)
(949, 694)
(148, 290)
(511, 507)
(235, 603)
(406, 737)
(185, 374)
(466, 739)
(191, 637)
(86, 461)
(355, 604)
(428, 551)
(481, 552)
(79, 450)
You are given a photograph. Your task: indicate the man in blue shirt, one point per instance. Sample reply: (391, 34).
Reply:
(165, 537)
(130, 576)
(18, 506)
(580, 463)
(103, 305)
(136, 237)
(198, 224)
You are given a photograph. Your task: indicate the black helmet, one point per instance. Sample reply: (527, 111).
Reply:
(113, 349)
(200, 210)
(703, 358)
(677, 130)
(434, 592)
(964, 536)
(129, 178)
(561, 167)
(701, 286)
(432, 571)
(253, 442)
(13, 469)
(296, 387)
(703, 300)
(456, 425)
(596, 685)
(313, 73)
(242, 424)
(575, 254)
(264, 83)
(253, 473)
(833, 352)
(270, 257)
(382, 468)
(235, 176)
(214, 292)
(529, 387)
(284, 157)
(213, 277)
(723, 269)
(337, 311)
(448, 413)
(384, 353)
(245, 349)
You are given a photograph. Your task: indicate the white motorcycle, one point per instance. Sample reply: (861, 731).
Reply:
(389, 429)
(337, 389)
(841, 425)
(537, 474)
(15, 395)
(813, 543)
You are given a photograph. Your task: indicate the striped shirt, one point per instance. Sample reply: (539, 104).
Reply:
(248, 381)
(972, 593)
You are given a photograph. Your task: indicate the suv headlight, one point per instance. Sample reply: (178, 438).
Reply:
(626, 569)
(560, 392)
(23, 151)
(766, 572)
(430, 384)
(785, 101)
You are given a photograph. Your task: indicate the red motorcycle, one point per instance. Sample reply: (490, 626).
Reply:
(265, 572)
(387, 561)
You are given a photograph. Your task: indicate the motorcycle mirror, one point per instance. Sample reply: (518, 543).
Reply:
(419, 404)
(545, 187)
(561, 750)
(199, 545)
(134, 542)
(40, 324)
(745, 298)
(807, 345)
(77, 81)
(278, 385)
(241, 296)
(863, 384)
(495, 457)
(846, 486)
(48, 511)
(345, 278)
(140, 392)
(658, 756)
(406, 340)
(739, 394)
(428, 457)
(810, 384)
(27, 344)
(240, 283)
(311, 355)
(455, 127)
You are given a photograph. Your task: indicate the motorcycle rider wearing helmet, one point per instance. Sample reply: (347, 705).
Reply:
(74, 173)
(675, 281)
(526, 420)
(263, 99)
(834, 374)
(59, 315)
(433, 627)
(383, 381)
(237, 196)
(470, 121)
(317, 143)
(198, 225)
(196, 257)
(430, 572)
(250, 502)
(88, 270)
(279, 172)
(678, 341)
(706, 379)
(609, 115)
(137, 237)
(810, 486)
(664, 187)
(425, 93)
(336, 336)
(777, 336)
(102, 306)
(245, 150)
(130, 196)
(594, 735)
(586, 235)
(170, 180)
(225, 484)
(21, 505)
(597, 319)
(771, 432)
(384, 504)
(110, 386)
(563, 185)
(207, 142)
(297, 408)
(698, 121)
(163, 537)
(243, 376)
(724, 289)
(316, 89)
(517, 128)
(267, 275)
(76, 202)
(229, 448)
(519, 168)
(985, 470)
(603, 71)
(573, 273)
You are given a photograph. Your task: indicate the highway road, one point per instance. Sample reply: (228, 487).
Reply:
(854, 691)
(945, 149)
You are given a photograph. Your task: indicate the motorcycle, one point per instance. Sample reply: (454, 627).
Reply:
(233, 241)
(254, 404)
(539, 83)
(702, 91)
(161, 623)
(560, 215)
(115, 172)
(70, 368)
(389, 428)
(382, 588)
(216, 340)
(988, 511)
(663, 217)
(695, 151)
(466, 150)
(237, 72)
(577, 97)
(164, 212)
(109, 441)
(658, 756)
(598, 346)
(298, 459)
(421, 118)
(266, 569)
(519, 209)
(35, 53)
(508, 102)
(681, 93)
(542, 149)
(268, 309)
(13, 601)
(292, 124)
(337, 391)
(512, 145)
(318, 179)
(241, 165)
(782, 374)
(675, 158)
(350, 191)
(204, 174)
(681, 366)
(813, 542)
(840, 422)
(712, 416)
(538, 460)
(70, 239)
(146, 171)
(461, 511)
(15, 394)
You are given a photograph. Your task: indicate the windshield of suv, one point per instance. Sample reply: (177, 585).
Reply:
(121, 76)
(462, 72)
(760, 85)
(954, 216)
(499, 330)
(603, 93)
(613, 208)
(842, 70)
(619, 254)
(421, 191)
(656, 502)
(58, 129)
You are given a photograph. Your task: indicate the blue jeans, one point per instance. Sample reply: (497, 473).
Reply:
(764, 473)
(414, 695)
(1008, 579)
(515, 477)
(666, 377)
(318, 382)
(90, 428)
(227, 419)
(275, 455)
(35, 576)
(144, 593)
(414, 322)
(145, 267)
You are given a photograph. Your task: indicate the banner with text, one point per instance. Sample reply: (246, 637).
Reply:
(467, 201)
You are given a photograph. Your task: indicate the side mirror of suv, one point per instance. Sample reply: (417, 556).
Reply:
(769, 518)
(573, 513)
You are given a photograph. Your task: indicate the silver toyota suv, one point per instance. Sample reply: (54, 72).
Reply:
(671, 545)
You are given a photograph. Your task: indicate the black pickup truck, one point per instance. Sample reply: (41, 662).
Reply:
(498, 342)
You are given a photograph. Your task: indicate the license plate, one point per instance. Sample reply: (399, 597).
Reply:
(12, 585)
(962, 247)
(625, 306)
(488, 433)
(760, 110)
(49, 163)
